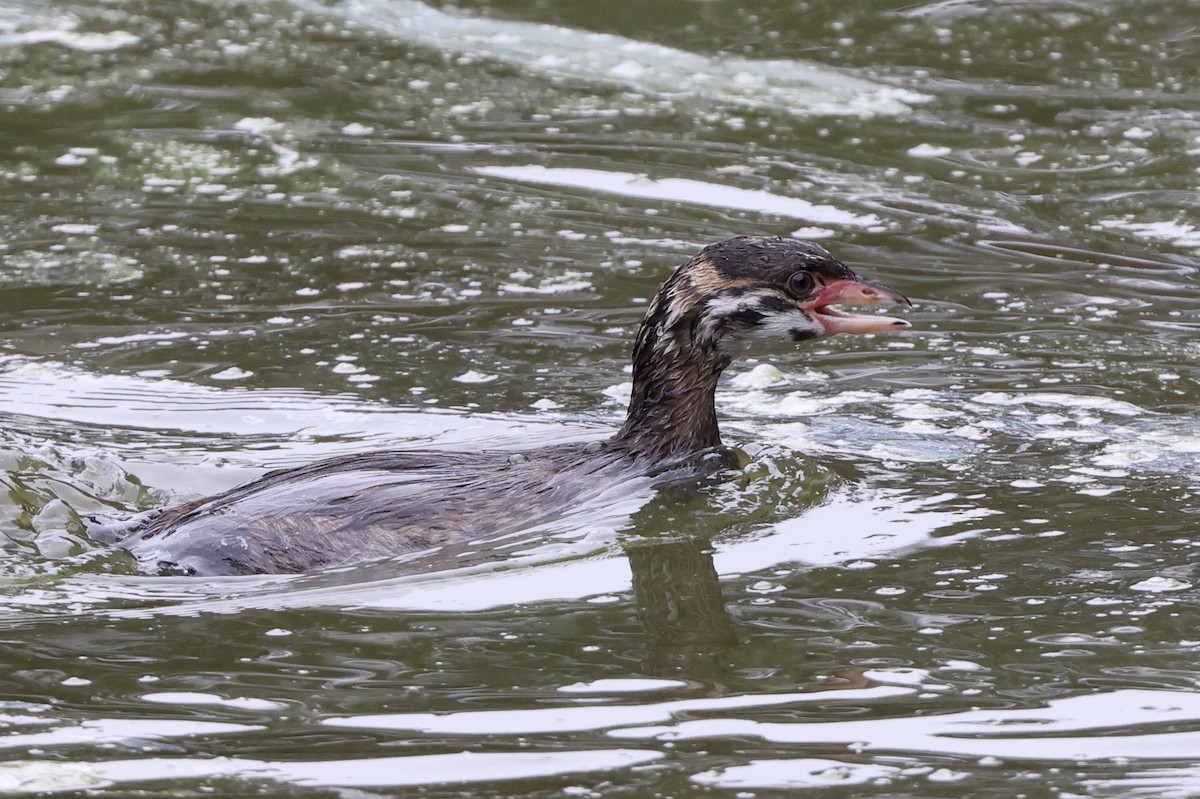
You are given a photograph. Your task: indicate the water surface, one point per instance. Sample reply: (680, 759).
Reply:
(958, 561)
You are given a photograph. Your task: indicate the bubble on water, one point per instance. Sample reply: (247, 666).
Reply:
(472, 376)
(1158, 585)
(929, 151)
(946, 775)
(764, 375)
(812, 233)
(232, 373)
(257, 125)
(76, 229)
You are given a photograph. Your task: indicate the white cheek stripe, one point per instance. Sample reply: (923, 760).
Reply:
(718, 309)
(780, 326)
(775, 328)
(728, 306)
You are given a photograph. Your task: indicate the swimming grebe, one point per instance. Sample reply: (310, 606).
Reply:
(742, 294)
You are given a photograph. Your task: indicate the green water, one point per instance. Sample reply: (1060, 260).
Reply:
(960, 561)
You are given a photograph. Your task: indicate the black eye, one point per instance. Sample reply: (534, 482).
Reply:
(800, 283)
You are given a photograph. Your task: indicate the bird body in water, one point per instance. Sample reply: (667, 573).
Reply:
(740, 295)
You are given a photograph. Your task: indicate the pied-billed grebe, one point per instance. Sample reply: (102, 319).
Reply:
(738, 295)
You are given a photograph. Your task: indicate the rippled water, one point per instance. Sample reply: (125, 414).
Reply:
(958, 561)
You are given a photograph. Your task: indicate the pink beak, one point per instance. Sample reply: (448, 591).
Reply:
(855, 292)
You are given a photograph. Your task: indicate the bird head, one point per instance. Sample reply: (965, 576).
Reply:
(754, 293)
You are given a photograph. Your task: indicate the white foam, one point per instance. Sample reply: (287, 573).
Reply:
(811, 232)
(913, 677)
(1059, 400)
(684, 190)
(75, 228)
(796, 773)
(560, 284)
(1181, 234)
(194, 698)
(132, 338)
(232, 373)
(787, 86)
(630, 685)
(257, 125)
(764, 375)
(74, 40)
(929, 151)
(472, 376)
(1159, 585)
(111, 730)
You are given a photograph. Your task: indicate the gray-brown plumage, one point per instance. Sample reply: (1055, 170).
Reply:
(742, 294)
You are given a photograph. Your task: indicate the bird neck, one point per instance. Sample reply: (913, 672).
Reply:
(672, 410)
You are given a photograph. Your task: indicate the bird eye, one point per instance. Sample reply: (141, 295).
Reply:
(800, 283)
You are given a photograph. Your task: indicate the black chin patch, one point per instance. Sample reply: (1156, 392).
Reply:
(747, 317)
(799, 335)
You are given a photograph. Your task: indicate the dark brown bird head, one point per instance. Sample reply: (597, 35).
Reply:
(751, 292)
(743, 294)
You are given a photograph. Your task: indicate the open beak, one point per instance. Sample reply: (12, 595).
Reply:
(853, 291)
